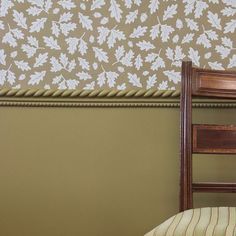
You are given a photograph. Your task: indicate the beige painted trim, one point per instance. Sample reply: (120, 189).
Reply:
(102, 98)
(160, 104)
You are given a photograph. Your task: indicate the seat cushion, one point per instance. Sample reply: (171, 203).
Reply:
(214, 221)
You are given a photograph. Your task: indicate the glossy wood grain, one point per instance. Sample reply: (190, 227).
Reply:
(214, 139)
(214, 83)
(186, 198)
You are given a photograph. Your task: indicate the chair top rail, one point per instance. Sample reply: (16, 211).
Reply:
(214, 83)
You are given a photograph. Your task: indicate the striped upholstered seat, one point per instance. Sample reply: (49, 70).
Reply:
(215, 221)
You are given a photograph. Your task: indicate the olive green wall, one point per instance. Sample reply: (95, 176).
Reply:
(95, 171)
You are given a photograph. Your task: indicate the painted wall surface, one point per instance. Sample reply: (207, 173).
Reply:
(117, 44)
(101, 172)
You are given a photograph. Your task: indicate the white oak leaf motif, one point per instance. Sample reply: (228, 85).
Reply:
(232, 62)
(131, 17)
(145, 45)
(170, 12)
(38, 25)
(67, 4)
(152, 80)
(138, 32)
(115, 10)
(22, 65)
(173, 76)
(194, 56)
(97, 4)
(134, 80)
(100, 54)
(41, 59)
(51, 43)
(20, 19)
(154, 6)
(5, 6)
(2, 57)
(230, 26)
(37, 77)
(85, 21)
(214, 20)
(216, 65)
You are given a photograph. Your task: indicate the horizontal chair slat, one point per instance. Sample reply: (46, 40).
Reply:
(214, 83)
(214, 187)
(214, 139)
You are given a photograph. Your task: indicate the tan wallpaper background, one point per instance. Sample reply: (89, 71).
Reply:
(117, 44)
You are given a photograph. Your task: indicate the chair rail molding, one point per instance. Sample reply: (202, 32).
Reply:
(102, 98)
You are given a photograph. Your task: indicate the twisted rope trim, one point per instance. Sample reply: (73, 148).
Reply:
(53, 93)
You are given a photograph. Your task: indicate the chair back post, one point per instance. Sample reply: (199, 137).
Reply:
(186, 194)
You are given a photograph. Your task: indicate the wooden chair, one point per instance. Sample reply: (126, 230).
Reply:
(195, 138)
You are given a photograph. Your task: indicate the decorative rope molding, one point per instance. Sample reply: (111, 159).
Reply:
(102, 98)
(52, 93)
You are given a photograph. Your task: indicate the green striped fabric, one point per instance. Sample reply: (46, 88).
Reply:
(214, 221)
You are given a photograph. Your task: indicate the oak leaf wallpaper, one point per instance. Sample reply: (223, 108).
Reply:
(112, 44)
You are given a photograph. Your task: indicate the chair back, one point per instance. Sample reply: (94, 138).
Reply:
(203, 138)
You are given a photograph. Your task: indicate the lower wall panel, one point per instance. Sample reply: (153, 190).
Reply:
(94, 171)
